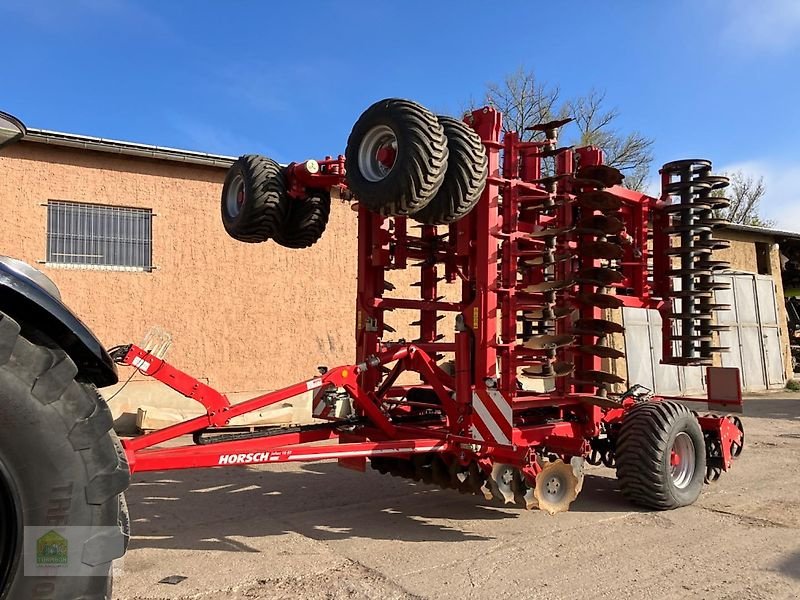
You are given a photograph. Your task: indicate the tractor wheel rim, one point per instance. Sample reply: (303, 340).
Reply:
(9, 529)
(682, 460)
(377, 153)
(234, 198)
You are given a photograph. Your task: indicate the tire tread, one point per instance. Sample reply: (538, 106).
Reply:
(465, 178)
(640, 451)
(423, 172)
(266, 204)
(49, 374)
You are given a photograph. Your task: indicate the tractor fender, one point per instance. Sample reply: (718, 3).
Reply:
(31, 298)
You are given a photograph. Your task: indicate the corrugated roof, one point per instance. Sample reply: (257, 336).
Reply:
(86, 142)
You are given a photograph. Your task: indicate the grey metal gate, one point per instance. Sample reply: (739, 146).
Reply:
(754, 334)
(643, 355)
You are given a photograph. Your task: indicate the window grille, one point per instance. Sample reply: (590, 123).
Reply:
(86, 235)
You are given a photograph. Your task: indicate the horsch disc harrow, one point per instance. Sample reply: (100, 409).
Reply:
(521, 254)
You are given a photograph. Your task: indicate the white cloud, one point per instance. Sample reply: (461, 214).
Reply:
(781, 201)
(767, 25)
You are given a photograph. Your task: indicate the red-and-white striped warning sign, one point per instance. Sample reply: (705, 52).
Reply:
(491, 417)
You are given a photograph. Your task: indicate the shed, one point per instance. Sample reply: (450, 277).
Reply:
(758, 339)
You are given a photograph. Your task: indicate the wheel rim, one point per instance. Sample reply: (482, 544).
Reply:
(234, 197)
(553, 489)
(9, 529)
(682, 460)
(377, 153)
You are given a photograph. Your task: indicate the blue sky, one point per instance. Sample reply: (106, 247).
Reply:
(708, 78)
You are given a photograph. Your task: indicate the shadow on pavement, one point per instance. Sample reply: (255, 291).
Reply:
(772, 408)
(208, 509)
(791, 566)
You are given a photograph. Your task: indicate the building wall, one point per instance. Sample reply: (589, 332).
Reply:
(742, 256)
(242, 316)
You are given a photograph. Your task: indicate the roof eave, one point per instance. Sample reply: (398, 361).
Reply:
(85, 142)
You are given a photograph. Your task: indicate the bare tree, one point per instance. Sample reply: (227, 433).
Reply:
(525, 100)
(745, 194)
(631, 153)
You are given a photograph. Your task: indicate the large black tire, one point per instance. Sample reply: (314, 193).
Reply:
(419, 164)
(467, 169)
(306, 222)
(254, 201)
(644, 453)
(59, 467)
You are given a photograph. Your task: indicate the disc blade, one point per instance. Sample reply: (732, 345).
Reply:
(601, 223)
(546, 313)
(600, 249)
(546, 258)
(601, 351)
(600, 276)
(557, 369)
(501, 482)
(549, 125)
(599, 200)
(600, 300)
(549, 232)
(592, 325)
(608, 176)
(556, 487)
(546, 286)
(542, 342)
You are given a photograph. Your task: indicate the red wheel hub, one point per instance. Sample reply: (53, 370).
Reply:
(386, 155)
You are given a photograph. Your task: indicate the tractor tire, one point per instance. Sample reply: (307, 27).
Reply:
(467, 169)
(396, 157)
(59, 469)
(306, 221)
(661, 455)
(254, 201)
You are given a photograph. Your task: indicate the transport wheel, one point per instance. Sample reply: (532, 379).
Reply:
(661, 455)
(465, 178)
(254, 201)
(396, 157)
(306, 221)
(60, 475)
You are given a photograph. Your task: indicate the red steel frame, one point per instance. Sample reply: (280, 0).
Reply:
(480, 414)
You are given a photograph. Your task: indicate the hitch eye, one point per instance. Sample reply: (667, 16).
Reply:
(11, 129)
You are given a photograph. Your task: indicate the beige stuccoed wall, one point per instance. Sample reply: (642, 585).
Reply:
(243, 316)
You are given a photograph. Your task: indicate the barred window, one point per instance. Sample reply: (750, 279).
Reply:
(97, 236)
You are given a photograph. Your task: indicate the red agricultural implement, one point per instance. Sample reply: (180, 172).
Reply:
(528, 251)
